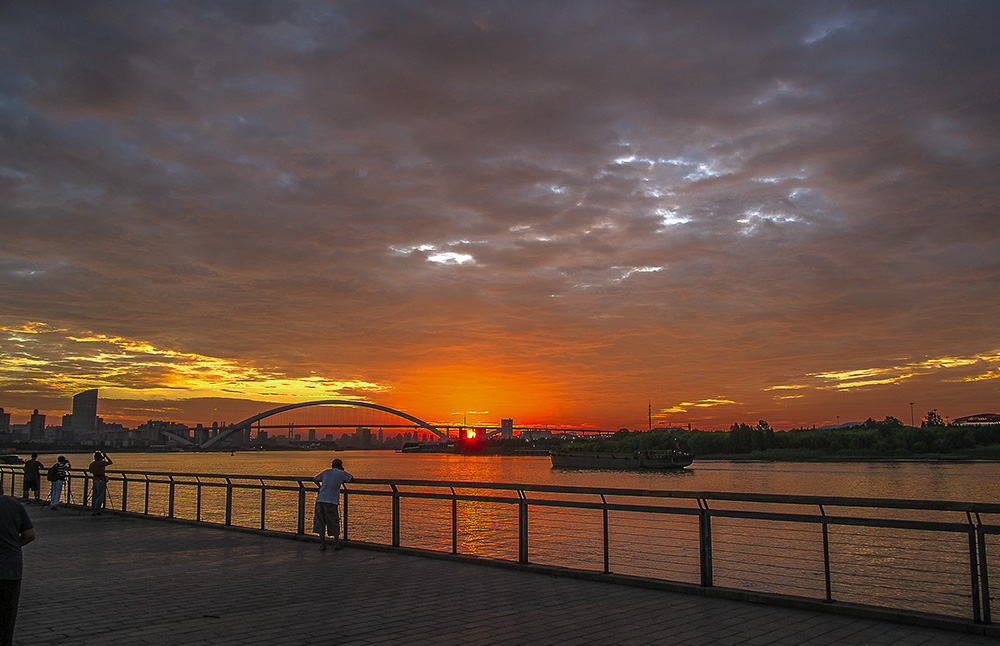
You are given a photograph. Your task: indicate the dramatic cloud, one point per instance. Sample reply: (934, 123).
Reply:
(558, 212)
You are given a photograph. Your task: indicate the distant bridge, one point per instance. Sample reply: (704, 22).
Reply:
(248, 422)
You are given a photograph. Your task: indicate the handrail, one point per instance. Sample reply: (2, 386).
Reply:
(764, 543)
(835, 501)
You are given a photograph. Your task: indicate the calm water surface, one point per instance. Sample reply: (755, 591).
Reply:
(975, 482)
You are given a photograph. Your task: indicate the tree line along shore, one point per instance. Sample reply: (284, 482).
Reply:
(887, 439)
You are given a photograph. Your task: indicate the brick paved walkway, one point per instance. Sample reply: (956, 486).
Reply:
(121, 580)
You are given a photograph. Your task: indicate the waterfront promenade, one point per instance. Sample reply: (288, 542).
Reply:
(127, 580)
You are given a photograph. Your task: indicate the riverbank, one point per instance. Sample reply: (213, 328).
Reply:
(780, 455)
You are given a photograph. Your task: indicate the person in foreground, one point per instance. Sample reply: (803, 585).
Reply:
(16, 531)
(326, 519)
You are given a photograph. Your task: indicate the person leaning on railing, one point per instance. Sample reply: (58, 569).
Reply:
(326, 518)
(32, 477)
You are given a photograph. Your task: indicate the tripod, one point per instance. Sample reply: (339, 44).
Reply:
(90, 494)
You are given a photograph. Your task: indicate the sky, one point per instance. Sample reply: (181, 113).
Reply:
(565, 213)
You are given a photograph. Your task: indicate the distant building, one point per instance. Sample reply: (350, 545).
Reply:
(983, 419)
(65, 432)
(36, 427)
(84, 417)
(507, 428)
(4, 421)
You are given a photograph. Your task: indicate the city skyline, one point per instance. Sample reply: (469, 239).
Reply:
(561, 213)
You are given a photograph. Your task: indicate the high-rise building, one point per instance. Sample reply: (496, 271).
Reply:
(4, 421)
(84, 420)
(36, 426)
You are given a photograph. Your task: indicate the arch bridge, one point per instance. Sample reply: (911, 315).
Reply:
(248, 422)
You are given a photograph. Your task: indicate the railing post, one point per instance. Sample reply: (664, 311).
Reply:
(301, 527)
(229, 501)
(198, 503)
(454, 521)
(146, 506)
(705, 542)
(124, 501)
(262, 503)
(395, 516)
(826, 555)
(170, 498)
(984, 576)
(607, 544)
(977, 615)
(522, 528)
(345, 511)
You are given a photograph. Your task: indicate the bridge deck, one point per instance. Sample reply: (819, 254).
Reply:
(127, 580)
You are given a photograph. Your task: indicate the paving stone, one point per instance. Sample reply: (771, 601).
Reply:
(125, 580)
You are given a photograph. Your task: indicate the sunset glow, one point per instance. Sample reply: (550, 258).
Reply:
(593, 215)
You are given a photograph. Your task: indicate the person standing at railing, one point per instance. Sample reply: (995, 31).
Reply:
(99, 470)
(16, 531)
(57, 475)
(326, 517)
(32, 477)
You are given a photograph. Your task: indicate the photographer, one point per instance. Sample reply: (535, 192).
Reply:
(57, 475)
(98, 469)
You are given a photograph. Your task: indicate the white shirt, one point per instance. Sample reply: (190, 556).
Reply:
(329, 485)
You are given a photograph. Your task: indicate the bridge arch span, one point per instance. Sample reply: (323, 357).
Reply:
(248, 422)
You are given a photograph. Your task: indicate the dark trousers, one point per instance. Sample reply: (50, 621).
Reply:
(98, 496)
(10, 592)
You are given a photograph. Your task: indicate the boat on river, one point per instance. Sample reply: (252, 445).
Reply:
(427, 447)
(7, 456)
(653, 460)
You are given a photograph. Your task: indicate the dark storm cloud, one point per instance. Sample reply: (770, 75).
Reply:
(799, 188)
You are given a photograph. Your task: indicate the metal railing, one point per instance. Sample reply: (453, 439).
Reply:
(921, 556)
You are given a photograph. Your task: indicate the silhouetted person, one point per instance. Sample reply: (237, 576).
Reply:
(16, 531)
(57, 475)
(326, 518)
(98, 469)
(32, 477)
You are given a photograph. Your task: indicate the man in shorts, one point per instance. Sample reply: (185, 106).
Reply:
(326, 519)
(32, 477)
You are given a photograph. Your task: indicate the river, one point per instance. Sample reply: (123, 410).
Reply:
(958, 481)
